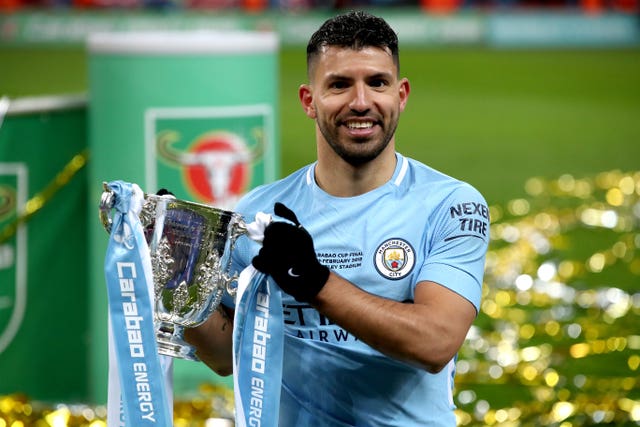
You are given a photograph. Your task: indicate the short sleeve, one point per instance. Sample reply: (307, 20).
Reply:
(458, 244)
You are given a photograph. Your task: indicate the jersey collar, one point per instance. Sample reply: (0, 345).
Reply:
(402, 166)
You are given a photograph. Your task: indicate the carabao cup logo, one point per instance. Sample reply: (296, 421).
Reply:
(216, 166)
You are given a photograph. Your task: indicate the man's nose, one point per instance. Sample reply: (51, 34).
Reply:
(360, 98)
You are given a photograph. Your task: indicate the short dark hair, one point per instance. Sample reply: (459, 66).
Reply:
(356, 30)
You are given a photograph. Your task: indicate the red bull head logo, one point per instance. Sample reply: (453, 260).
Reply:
(216, 166)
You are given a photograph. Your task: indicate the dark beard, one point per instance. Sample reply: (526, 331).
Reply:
(356, 158)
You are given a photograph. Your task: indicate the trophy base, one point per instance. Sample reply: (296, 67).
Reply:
(170, 343)
(177, 350)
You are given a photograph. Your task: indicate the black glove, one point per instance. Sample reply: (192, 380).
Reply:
(288, 256)
(164, 192)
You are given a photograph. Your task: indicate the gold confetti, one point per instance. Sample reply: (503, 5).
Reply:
(556, 341)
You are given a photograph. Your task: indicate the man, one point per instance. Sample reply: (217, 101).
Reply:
(381, 261)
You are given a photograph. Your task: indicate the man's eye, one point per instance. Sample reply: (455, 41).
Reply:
(378, 83)
(338, 85)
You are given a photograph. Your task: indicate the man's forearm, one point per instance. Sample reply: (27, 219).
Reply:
(427, 333)
(213, 341)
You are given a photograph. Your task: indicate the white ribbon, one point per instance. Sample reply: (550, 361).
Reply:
(258, 336)
(140, 380)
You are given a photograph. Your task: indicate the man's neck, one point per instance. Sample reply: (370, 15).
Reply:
(341, 179)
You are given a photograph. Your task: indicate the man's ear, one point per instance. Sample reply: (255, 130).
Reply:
(404, 90)
(306, 100)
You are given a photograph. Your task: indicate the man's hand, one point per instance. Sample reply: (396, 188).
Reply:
(289, 257)
(164, 192)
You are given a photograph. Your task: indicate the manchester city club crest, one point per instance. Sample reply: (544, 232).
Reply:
(394, 258)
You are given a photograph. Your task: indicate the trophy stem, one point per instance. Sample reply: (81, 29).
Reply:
(171, 342)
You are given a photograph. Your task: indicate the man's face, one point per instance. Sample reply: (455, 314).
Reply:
(356, 99)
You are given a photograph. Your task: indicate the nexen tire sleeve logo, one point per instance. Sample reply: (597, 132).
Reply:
(395, 258)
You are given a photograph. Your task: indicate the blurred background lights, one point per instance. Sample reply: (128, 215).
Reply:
(556, 341)
(545, 221)
(634, 413)
(463, 366)
(465, 397)
(529, 354)
(561, 295)
(495, 371)
(615, 197)
(609, 218)
(546, 271)
(599, 218)
(481, 408)
(527, 331)
(596, 262)
(579, 380)
(552, 328)
(534, 186)
(59, 417)
(530, 373)
(627, 185)
(561, 411)
(509, 233)
(574, 330)
(518, 207)
(566, 183)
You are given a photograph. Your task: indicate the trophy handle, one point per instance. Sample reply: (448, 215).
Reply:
(107, 202)
(232, 290)
(237, 228)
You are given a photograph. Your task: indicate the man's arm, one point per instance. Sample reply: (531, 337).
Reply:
(427, 333)
(213, 340)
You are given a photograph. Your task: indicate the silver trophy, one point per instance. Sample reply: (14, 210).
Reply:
(190, 246)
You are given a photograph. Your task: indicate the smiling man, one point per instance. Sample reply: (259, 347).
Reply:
(381, 272)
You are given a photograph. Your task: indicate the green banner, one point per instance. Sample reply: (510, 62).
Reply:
(192, 112)
(43, 269)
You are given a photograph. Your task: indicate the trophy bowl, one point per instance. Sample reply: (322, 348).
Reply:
(190, 246)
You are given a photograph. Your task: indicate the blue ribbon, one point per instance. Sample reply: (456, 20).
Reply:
(258, 339)
(128, 274)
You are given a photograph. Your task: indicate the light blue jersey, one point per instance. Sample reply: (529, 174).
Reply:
(420, 225)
